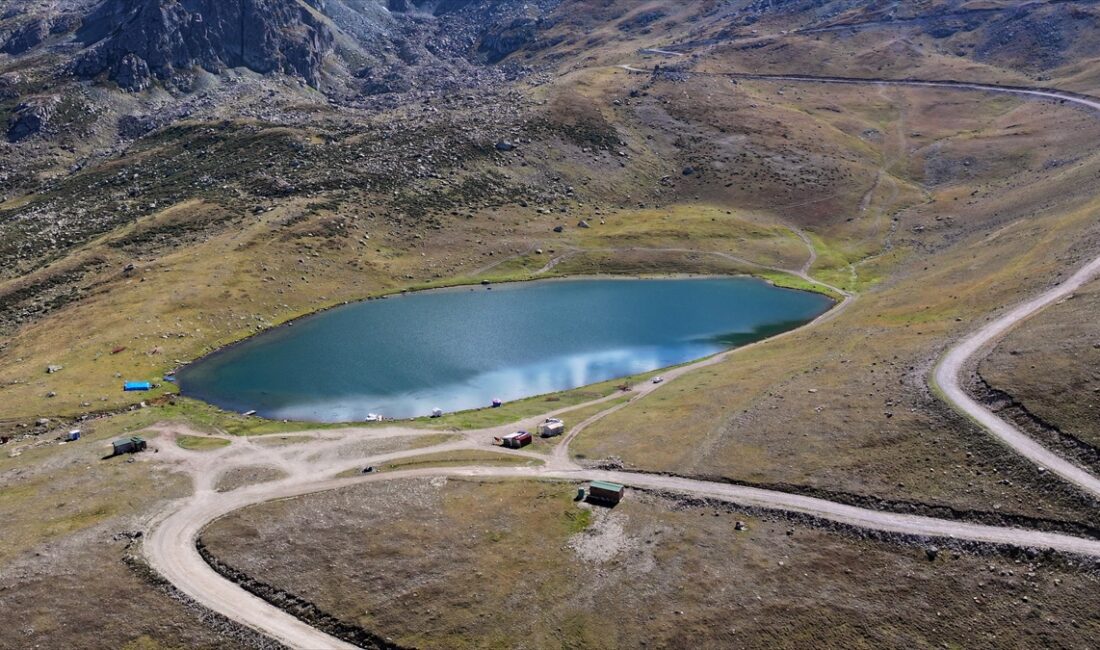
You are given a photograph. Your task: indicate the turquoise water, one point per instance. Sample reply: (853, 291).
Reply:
(456, 349)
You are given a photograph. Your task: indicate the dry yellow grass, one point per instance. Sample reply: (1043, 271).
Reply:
(502, 564)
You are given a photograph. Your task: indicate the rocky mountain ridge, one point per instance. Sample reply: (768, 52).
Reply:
(328, 44)
(76, 76)
(135, 41)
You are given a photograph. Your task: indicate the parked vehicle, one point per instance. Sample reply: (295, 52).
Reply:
(551, 427)
(516, 440)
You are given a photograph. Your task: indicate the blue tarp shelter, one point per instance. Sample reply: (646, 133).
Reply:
(137, 385)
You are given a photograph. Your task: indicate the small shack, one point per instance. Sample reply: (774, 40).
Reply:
(552, 427)
(605, 492)
(131, 445)
(516, 440)
(73, 435)
(137, 385)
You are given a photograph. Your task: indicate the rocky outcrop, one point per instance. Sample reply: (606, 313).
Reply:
(26, 37)
(135, 41)
(498, 43)
(31, 118)
(133, 73)
(9, 85)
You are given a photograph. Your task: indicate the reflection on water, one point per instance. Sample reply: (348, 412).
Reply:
(507, 384)
(460, 349)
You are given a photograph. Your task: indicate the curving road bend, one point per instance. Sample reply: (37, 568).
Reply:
(181, 564)
(171, 549)
(947, 373)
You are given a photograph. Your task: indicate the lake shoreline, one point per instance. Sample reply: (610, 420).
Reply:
(231, 395)
(473, 283)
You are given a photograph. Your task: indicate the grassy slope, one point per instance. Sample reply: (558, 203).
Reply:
(844, 137)
(165, 315)
(843, 408)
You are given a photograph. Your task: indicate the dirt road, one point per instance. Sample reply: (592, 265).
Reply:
(171, 545)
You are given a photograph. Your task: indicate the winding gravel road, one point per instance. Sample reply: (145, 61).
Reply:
(946, 377)
(170, 546)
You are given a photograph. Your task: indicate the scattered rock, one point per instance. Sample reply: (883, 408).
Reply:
(610, 463)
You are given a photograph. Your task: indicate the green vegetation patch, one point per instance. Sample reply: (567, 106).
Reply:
(451, 459)
(201, 443)
(460, 458)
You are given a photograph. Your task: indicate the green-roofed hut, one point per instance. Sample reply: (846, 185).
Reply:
(605, 492)
(131, 445)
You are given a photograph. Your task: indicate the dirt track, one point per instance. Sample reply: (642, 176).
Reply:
(313, 467)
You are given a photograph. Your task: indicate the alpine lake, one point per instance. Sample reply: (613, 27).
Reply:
(461, 348)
